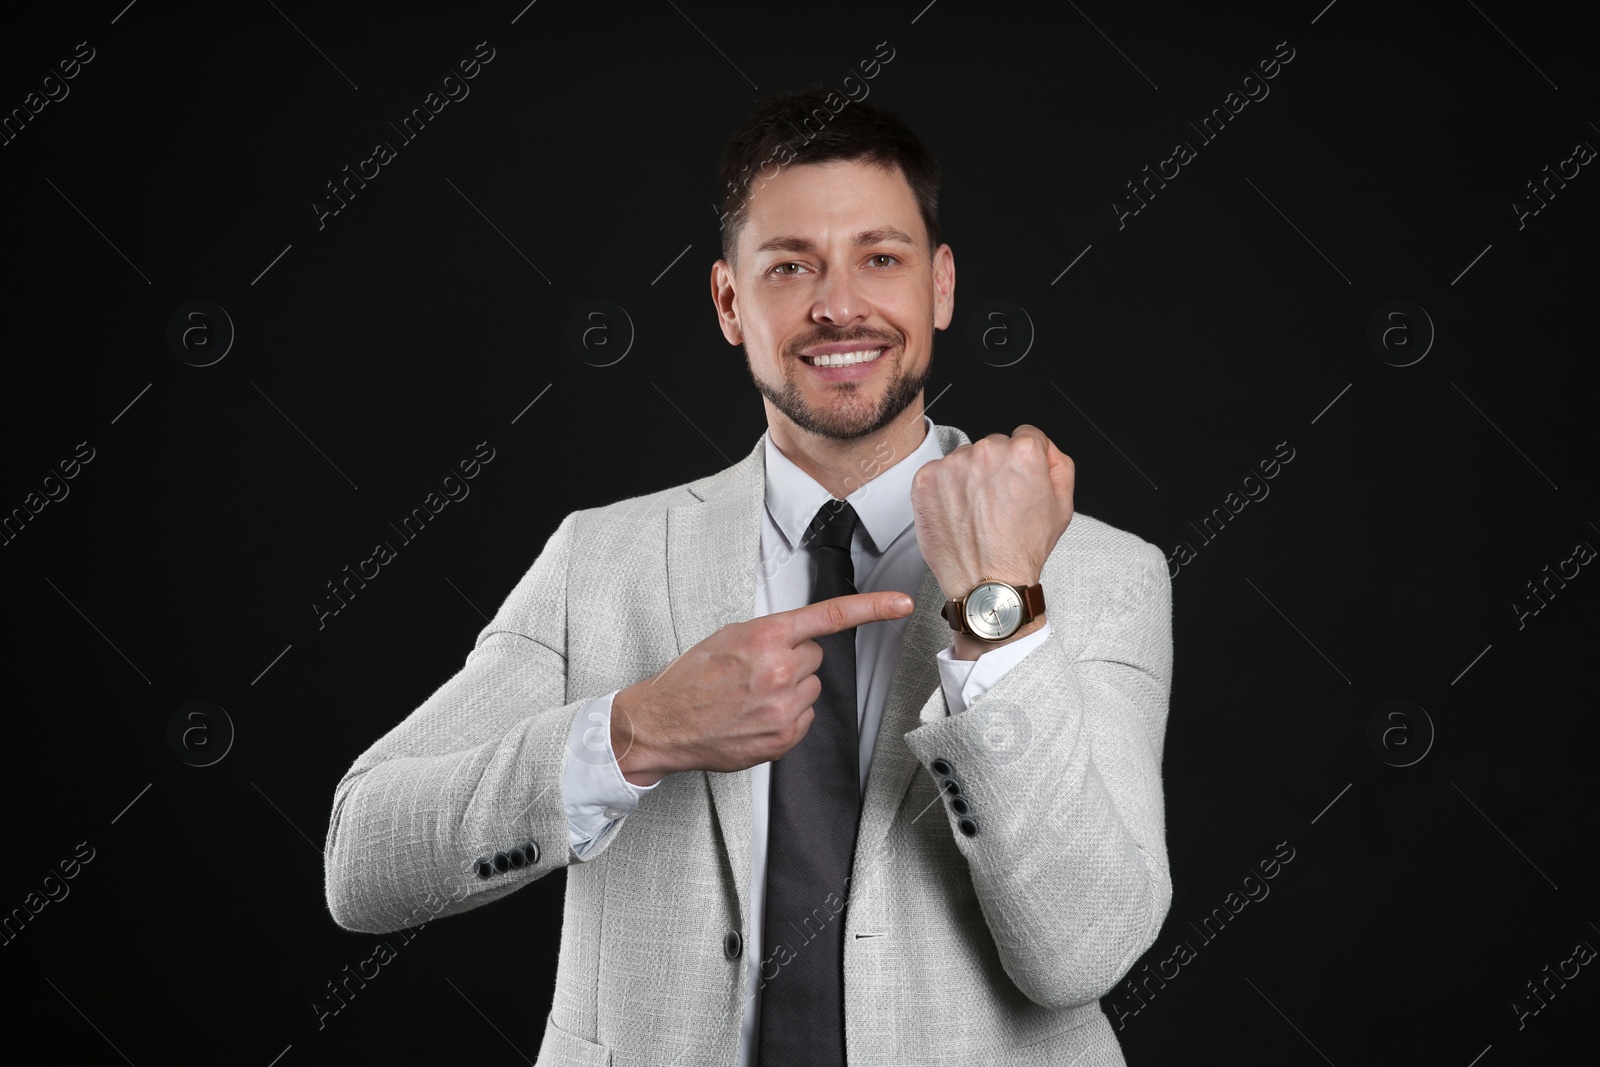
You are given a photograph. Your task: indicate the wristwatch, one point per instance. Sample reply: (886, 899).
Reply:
(994, 610)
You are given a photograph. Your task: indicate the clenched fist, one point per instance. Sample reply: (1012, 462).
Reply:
(995, 508)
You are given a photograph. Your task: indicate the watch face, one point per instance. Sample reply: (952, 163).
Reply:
(994, 611)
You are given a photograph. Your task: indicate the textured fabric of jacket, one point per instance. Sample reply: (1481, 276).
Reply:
(990, 947)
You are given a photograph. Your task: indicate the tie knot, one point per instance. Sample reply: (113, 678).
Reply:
(833, 526)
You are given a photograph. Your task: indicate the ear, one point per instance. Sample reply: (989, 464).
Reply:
(944, 286)
(726, 301)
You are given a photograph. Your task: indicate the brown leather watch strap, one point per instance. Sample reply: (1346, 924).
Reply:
(1032, 602)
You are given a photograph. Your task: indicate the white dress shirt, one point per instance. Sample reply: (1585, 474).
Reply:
(886, 556)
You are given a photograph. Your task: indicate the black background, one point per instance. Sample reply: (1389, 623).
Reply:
(1178, 351)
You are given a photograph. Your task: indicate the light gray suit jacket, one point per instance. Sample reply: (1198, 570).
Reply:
(986, 948)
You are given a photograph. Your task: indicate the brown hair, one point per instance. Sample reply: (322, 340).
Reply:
(814, 125)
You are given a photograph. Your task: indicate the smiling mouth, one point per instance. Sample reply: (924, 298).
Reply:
(845, 359)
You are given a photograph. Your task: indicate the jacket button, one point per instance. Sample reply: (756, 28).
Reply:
(484, 867)
(518, 860)
(531, 851)
(960, 806)
(942, 767)
(969, 826)
(732, 944)
(502, 862)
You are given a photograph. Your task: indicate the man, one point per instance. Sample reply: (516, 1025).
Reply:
(804, 821)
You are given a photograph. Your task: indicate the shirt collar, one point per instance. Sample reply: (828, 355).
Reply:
(882, 502)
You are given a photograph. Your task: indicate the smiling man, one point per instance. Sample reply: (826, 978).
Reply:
(729, 709)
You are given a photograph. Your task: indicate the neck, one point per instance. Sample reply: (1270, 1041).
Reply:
(842, 467)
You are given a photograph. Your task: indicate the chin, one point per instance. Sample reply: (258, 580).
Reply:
(841, 411)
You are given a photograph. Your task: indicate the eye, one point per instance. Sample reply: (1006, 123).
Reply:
(780, 269)
(883, 255)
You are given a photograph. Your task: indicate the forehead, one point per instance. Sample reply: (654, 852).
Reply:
(824, 201)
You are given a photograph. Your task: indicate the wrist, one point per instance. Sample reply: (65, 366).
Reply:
(633, 755)
(965, 584)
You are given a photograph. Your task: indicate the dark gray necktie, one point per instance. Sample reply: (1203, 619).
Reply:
(813, 811)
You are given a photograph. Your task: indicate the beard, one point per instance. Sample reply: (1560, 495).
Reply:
(848, 413)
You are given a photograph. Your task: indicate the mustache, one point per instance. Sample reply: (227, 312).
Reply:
(872, 339)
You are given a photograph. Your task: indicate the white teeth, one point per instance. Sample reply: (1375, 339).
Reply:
(844, 359)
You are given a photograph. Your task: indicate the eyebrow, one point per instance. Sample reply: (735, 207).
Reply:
(883, 235)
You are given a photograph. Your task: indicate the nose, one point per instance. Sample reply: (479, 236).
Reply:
(839, 300)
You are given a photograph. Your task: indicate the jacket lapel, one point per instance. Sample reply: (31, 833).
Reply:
(713, 548)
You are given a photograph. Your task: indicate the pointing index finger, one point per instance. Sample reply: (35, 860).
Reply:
(844, 612)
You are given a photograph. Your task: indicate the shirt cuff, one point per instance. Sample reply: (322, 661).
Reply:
(965, 680)
(592, 786)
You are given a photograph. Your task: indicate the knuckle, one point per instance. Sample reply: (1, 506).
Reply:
(772, 641)
(772, 676)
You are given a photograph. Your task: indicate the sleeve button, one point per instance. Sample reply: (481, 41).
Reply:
(484, 867)
(732, 944)
(969, 826)
(502, 862)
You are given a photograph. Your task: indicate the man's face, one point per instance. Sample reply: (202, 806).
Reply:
(834, 259)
